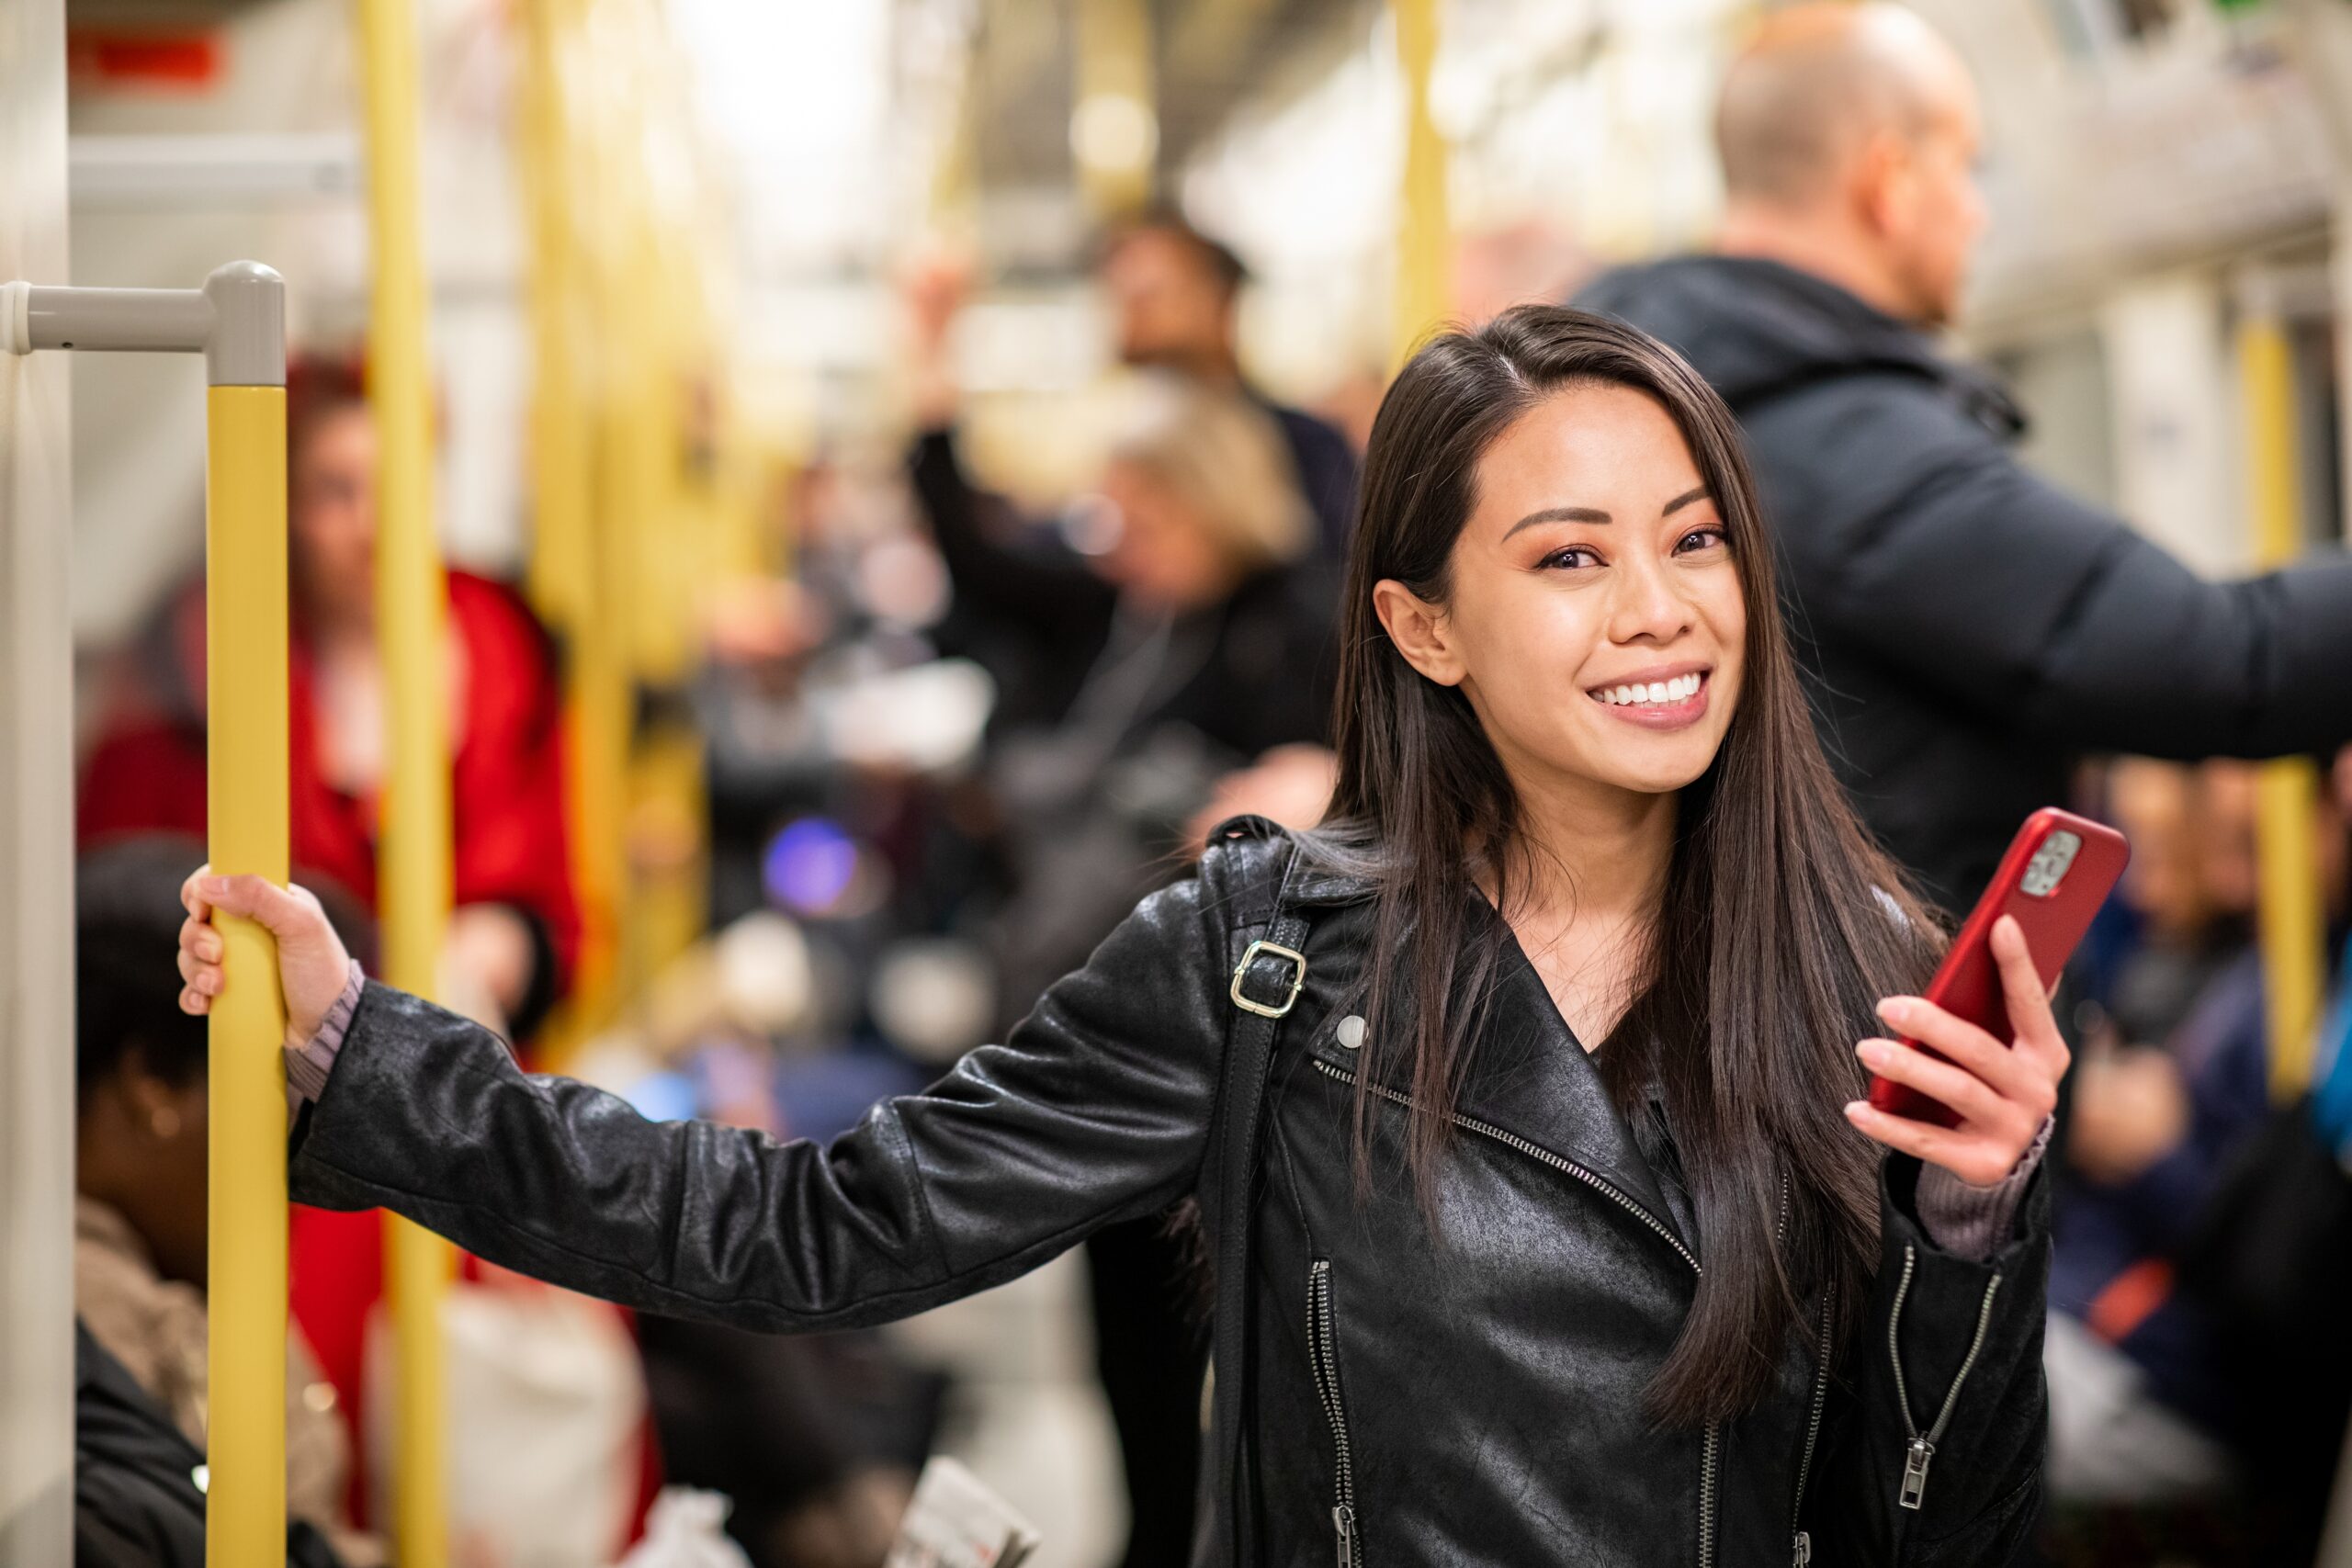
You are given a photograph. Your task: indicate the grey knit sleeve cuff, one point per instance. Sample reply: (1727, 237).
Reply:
(307, 1069)
(1971, 1222)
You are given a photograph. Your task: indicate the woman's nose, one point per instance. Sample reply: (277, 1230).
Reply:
(1649, 606)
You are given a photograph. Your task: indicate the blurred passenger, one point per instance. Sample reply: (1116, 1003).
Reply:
(816, 1441)
(2138, 1413)
(1195, 642)
(2154, 1423)
(139, 1213)
(1213, 652)
(516, 925)
(1210, 647)
(1966, 628)
(1177, 295)
(136, 1503)
(1025, 606)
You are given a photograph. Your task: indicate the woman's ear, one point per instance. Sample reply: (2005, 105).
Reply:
(1419, 629)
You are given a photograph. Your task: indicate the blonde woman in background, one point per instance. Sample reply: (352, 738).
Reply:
(1167, 651)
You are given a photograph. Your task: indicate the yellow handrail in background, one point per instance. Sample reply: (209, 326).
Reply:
(413, 848)
(633, 472)
(1424, 286)
(2289, 914)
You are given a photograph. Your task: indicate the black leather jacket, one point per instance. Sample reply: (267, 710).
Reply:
(1467, 1397)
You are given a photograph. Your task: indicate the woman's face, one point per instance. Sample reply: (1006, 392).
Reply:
(1596, 620)
(332, 510)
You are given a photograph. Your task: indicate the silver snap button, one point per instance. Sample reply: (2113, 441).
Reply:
(1349, 1033)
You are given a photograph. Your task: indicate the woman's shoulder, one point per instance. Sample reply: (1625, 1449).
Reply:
(1251, 861)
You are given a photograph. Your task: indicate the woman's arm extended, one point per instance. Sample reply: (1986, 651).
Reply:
(1096, 1108)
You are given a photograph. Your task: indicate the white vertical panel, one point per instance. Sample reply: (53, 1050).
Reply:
(35, 823)
(2172, 384)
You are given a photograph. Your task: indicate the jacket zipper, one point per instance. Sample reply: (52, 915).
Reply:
(1536, 1152)
(1708, 1457)
(1923, 1449)
(1797, 1531)
(1322, 1339)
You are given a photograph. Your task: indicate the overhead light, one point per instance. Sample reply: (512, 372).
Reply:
(1113, 132)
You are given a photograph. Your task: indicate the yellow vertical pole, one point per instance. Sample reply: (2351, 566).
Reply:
(1424, 223)
(574, 137)
(244, 594)
(559, 559)
(1115, 120)
(559, 118)
(2290, 918)
(413, 844)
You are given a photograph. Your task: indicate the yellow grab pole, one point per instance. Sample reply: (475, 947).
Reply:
(237, 320)
(2289, 916)
(244, 504)
(559, 458)
(246, 798)
(414, 845)
(1114, 117)
(1424, 223)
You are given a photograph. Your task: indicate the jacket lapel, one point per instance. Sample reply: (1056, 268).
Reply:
(1529, 1076)
(1532, 1077)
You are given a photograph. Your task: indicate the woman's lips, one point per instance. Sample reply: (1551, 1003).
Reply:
(1677, 714)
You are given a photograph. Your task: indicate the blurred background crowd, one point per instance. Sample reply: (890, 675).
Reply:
(895, 462)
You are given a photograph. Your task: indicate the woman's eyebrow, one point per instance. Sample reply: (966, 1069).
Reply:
(1561, 514)
(1594, 514)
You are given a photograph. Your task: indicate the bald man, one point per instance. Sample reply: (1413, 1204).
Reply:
(1967, 629)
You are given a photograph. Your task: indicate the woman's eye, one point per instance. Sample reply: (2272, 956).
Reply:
(1570, 557)
(1701, 539)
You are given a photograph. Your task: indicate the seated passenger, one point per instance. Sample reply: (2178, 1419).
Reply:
(139, 1178)
(137, 1481)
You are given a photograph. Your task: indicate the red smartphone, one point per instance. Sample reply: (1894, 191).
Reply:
(2057, 872)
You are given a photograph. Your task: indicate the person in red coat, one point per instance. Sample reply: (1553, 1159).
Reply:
(516, 928)
(514, 931)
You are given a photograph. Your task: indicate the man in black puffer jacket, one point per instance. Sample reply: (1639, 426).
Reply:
(1967, 630)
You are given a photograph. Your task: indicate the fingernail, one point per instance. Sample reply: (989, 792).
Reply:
(213, 885)
(1894, 1008)
(1871, 1051)
(1854, 1108)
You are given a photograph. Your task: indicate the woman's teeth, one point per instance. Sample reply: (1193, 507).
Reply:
(1681, 689)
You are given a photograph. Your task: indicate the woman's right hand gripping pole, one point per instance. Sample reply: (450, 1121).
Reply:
(312, 965)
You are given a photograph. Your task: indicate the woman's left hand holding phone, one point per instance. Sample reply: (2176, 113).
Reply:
(2002, 1091)
(312, 965)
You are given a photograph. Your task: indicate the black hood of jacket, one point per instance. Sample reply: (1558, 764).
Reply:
(1756, 329)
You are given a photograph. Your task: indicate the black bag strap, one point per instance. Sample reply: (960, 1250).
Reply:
(1268, 976)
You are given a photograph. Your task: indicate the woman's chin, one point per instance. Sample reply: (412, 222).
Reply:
(1651, 764)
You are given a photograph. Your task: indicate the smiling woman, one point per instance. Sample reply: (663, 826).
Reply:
(1629, 593)
(1586, 962)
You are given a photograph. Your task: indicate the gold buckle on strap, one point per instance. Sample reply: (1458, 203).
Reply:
(1297, 982)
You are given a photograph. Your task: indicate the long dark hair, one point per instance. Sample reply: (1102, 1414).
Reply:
(1787, 923)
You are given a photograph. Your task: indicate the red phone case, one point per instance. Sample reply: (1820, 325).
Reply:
(1968, 983)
